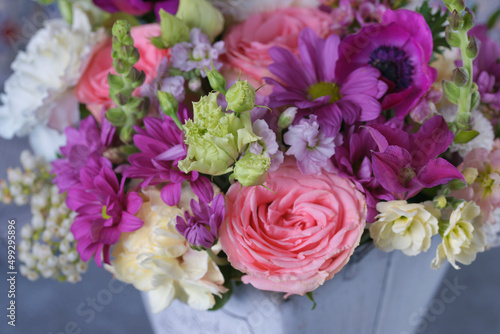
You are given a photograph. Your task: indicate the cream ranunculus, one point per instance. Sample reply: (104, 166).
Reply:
(157, 259)
(462, 238)
(39, 93)
(404, 226)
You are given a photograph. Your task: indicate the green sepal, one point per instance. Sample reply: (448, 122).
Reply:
(464, 137)
(116, 116)
(311, 298)
(451, 91)
(452, 37)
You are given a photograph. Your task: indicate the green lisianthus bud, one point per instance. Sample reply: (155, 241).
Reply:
(168, 104)
(173, 30)
(217, 81)
(241, 97)
(440, 202)
(201, 14)
(287, 117)
(252, 169)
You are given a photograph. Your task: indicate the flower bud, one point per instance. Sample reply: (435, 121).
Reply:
(475, 100)
(472, 48)
(460, 76)
(173, 30)
(451, 37)
(116, 116)
(451, 91)
(287, 117)
(217, 81)
(241, 97)
(201, 14)
(194, 84)
(121, 30)
(470, 175)
(168, 103)
(456, 22)
(459, 5)
(440, 202)
(469, 19)
(252, 169)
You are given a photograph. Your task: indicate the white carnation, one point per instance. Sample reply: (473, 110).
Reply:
(403, 226)
(240, 10)
(157, 259)
(463, 238)
(39, 92)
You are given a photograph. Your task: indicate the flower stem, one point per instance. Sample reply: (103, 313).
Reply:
(464, 105)
(218, 260)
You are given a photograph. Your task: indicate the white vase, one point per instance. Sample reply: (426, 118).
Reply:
(383, 293)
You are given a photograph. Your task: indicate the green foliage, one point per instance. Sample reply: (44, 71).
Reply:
(436, 19)
(493, 19)
(311, 298)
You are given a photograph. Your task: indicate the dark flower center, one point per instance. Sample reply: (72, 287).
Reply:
(394, 65)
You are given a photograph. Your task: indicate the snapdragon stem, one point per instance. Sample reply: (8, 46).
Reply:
(464, 106)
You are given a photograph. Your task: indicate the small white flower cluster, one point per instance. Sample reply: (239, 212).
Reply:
(47, 248)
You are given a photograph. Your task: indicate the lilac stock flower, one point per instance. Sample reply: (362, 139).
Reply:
(267, 145)
(487, 68)
(407, 163)
(311, 85)
(85, 144)
(162, 147)
(198, 53)
(201, 227)
(310, 146)
(401, 48)
(104, 212)
(138, 7)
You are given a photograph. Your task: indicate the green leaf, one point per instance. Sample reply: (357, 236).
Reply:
(493, 19)
(436, 20)
(464, 137)
(311, 298)
(228, 272)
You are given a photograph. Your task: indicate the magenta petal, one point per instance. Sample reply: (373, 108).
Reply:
(433, 138)
(130, 223)
(387, 166)
(171, 193)
(133, 202)
(437, 172)
(173, 153)
(203, 188)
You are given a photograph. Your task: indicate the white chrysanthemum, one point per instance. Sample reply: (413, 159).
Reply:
(404, 226)
(39, 92)
(463, 237)
(157, 259)
(240, 10)
(483, 140)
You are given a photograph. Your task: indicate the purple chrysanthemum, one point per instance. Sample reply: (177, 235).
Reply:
(138, 7)
(201, 227)
(84, 147)
(104, 212)
(312, 86)
(162, 147)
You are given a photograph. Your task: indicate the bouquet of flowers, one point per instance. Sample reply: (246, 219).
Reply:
(188, 146)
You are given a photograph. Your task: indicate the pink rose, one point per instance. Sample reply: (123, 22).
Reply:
(248, 43)
(295, 237)
(93, 88)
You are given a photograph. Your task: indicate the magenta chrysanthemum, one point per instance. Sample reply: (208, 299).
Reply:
(85, 144)
(312, 86)
(162, 147)
(104, 212)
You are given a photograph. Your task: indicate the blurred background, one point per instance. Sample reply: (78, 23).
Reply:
(49, 307)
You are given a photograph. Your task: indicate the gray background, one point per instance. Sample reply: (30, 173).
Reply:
(51, 307)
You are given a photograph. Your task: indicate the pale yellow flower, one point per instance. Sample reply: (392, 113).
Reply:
(403, 226)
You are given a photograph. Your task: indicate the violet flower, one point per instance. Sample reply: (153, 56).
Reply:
(85, 144)
(104, 212)
(267, 145)
(310, 146)
(201, 227)
(487, 68)
(352, 159)
(162, 147)
(138, 7)
(407, 163)
(311, 85)
(401, 48)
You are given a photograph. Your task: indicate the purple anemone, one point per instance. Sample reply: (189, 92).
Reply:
(401, 48)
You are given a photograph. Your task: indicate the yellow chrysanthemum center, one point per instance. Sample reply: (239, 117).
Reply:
(104, 212)
(324, 89)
